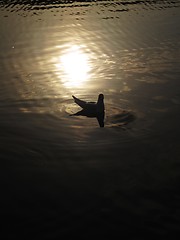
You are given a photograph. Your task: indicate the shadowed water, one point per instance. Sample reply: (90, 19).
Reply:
(64, 176)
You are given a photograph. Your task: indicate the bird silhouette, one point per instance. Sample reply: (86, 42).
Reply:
(91, 109)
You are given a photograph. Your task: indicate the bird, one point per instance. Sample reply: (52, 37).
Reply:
(91, 109)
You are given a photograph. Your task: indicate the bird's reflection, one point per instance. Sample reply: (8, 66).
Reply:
(91, 109)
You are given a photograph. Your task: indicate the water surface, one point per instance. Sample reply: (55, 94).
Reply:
(63, 175)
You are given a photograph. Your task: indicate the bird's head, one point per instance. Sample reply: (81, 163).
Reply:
(100, 97)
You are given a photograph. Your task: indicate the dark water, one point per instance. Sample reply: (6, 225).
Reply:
(64, 176)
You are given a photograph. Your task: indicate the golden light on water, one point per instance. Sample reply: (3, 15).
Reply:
(74, 67)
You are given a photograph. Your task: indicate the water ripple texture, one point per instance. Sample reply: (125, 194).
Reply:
(114, 6)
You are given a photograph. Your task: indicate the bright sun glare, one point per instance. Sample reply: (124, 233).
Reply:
(74, 67)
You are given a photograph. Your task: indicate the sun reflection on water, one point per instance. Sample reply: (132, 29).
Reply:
(73, 67)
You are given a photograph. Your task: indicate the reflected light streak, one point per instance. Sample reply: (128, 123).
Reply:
(74, 67)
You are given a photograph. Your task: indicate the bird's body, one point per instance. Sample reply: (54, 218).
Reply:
(92, 109)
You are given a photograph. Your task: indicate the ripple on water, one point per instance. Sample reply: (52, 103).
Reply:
(51, 117)
(121, 123)
(115, 6)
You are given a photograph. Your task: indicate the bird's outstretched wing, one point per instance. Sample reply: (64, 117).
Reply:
(80, 102)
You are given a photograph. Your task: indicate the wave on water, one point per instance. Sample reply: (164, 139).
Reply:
(53, 114)
(124, 5)
(63, 109)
